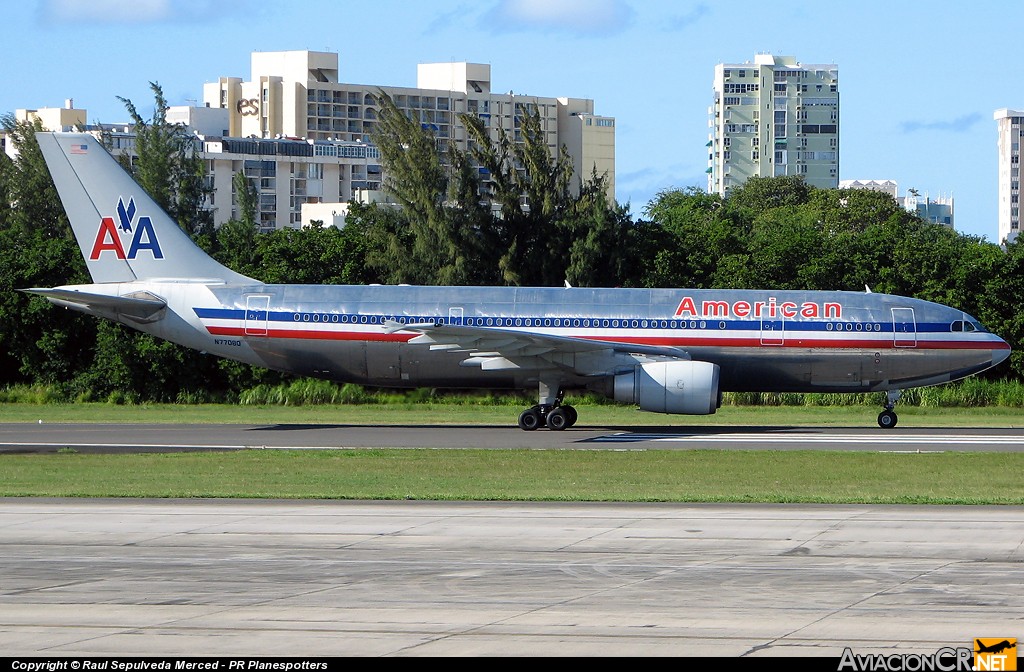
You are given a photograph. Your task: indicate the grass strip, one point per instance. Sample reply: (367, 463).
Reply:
(482, 415)
(529, 475)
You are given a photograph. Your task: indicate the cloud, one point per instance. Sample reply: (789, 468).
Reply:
(958, 125)
(447, 20)
(684, 21)
(640, 187)
(583, 18)
(136, 11)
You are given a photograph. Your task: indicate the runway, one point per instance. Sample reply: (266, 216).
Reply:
(30, 438)
(312, 578)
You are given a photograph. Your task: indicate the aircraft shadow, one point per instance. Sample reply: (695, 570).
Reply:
(633, 429)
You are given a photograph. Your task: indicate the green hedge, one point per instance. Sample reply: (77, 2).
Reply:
(969, 393)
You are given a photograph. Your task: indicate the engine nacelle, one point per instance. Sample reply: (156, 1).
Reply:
(683, 387)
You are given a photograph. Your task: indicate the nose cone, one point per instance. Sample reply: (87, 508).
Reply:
(1000, 352)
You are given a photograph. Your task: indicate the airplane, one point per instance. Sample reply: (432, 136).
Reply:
(998, 647)
(669, 351)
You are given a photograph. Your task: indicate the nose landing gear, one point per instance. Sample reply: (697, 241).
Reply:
(887, 419)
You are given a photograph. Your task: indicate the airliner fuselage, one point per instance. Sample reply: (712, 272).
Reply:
(666, 350)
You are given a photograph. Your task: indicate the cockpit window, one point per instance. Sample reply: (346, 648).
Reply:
(965, 326)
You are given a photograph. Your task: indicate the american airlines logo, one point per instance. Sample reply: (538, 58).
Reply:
(139, 233)
(762, 309)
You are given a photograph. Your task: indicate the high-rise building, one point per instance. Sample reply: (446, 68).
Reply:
(297, 94)
(773, 117)
(1009, 127)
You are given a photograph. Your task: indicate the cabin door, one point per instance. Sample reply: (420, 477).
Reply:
(455, 315)
(904, 328)
(256, 313)
(773, 331)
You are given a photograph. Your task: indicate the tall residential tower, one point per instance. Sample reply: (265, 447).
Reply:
(1009, 126)
(774, 117)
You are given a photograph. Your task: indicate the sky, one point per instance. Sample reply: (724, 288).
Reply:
(919, 81)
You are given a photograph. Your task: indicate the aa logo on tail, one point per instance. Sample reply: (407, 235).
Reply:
(141, 234)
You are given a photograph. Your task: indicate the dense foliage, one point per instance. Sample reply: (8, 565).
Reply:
(502, 212)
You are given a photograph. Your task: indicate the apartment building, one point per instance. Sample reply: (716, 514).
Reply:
(305, 138)
(772, 117)
(290, 175)
(298, 94)
(1008, 124)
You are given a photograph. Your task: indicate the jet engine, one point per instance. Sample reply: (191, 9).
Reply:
(683, 387)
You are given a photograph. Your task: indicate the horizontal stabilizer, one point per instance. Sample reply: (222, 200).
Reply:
(135, 308)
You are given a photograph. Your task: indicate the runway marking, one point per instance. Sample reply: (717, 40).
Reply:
(76, 444)
(899, 439)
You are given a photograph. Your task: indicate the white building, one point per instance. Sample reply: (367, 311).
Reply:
(66, 118)
(297, 94)
(773, 117)
(289, 175)
(935, 210)
(1009, 127)
(304, 138)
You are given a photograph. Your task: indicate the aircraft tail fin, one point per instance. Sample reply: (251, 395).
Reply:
(122, 232)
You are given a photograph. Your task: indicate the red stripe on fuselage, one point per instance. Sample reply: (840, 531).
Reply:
(832, 344)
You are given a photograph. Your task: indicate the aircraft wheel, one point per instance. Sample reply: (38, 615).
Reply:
(529, 420)
(887, 419)
(571, 414)
(558, 419)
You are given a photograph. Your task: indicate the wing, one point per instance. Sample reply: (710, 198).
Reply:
(499, 349)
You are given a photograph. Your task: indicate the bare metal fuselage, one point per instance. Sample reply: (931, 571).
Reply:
(762, 340)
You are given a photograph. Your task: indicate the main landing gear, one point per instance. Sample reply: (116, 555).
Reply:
(553, 417)
(887, 419)
(550, 412)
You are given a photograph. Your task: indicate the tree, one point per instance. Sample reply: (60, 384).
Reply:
(125, 361)
(502, 211)
(697, 235)
(603, 249)
(783, 245)
(40, 342)
(436, 238)
(234, 242)
(759, 194)
(167, 166)
(533, 195)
